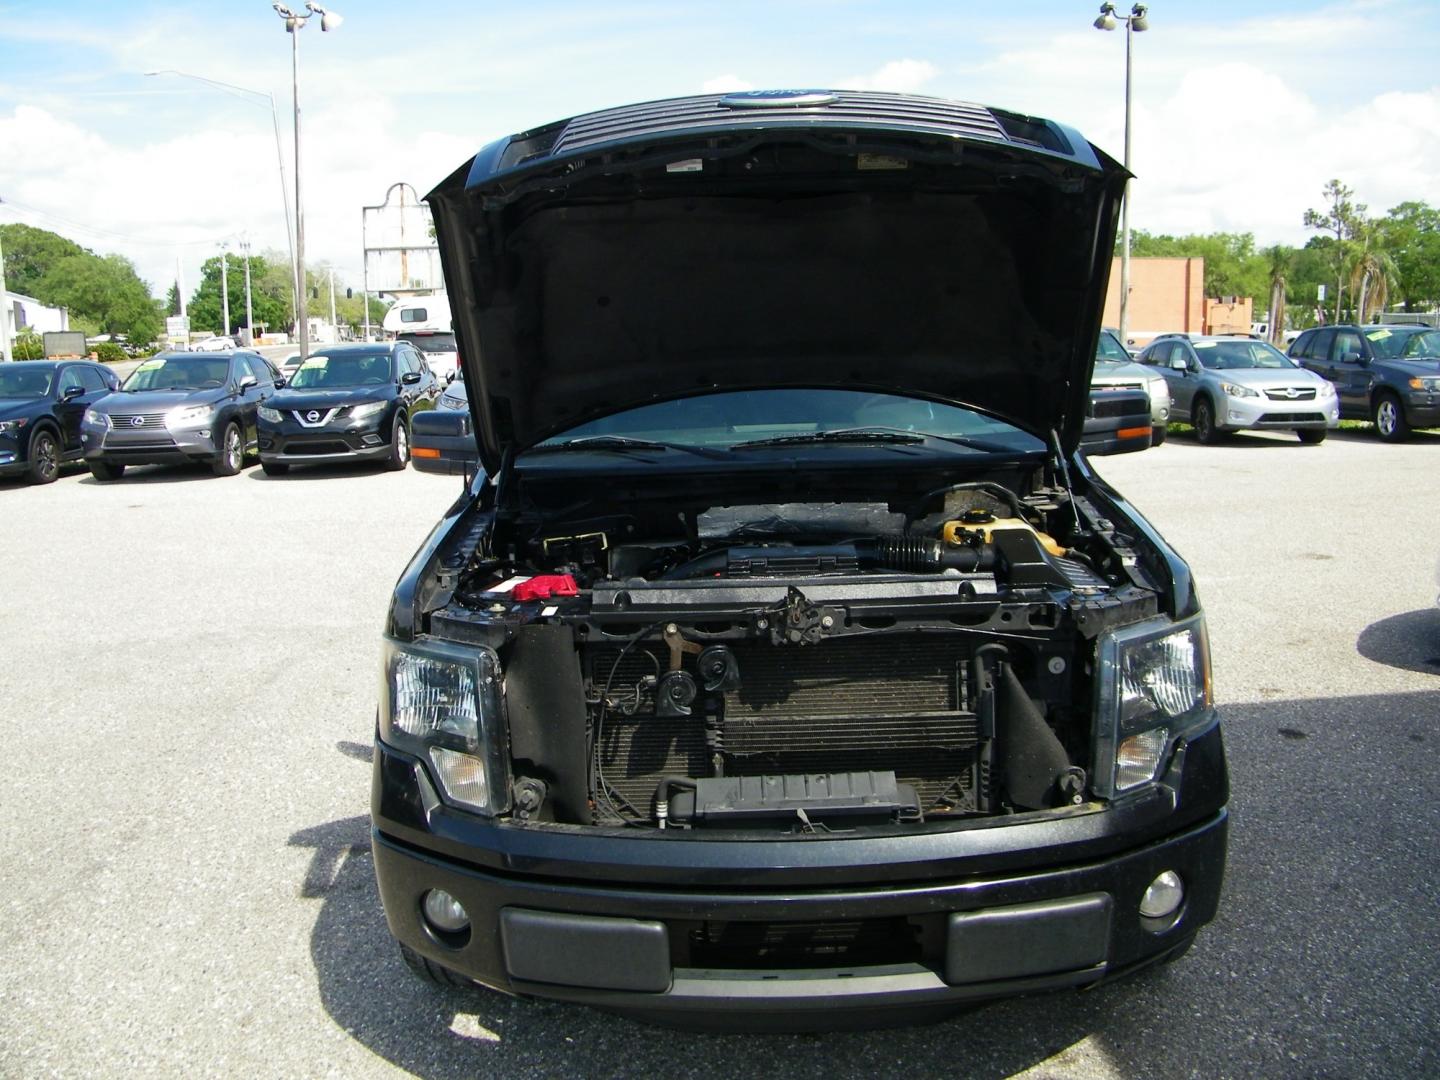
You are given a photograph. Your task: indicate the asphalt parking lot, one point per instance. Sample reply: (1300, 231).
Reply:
(189, 669)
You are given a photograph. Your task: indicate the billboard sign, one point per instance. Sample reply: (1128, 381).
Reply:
(401, 256)
(64, 343)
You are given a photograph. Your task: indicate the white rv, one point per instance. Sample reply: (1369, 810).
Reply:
(424, 321)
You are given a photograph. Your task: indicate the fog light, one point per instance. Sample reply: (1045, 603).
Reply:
(371, 440)
(1163, 897)
(448, 915)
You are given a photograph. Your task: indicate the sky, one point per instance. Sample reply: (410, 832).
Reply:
(1242, 111)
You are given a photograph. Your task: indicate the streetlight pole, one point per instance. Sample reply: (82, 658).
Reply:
(249, 311)
(279, 151)
(6, 352)
(294, 23)
(225, 291)
(1135, 22)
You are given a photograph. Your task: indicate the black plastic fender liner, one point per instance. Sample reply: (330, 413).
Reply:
(1031, 757)
(545, 699)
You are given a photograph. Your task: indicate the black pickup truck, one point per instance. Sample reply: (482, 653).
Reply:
(783, 662)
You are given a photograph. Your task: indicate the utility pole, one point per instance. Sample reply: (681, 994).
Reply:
(7, 353)
(334, 326)
(365, 271)
(300, 282)
(224, 291)
(249, 311)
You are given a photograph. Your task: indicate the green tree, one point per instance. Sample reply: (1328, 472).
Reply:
(1412, 238)
(1372, 271)
(104, 294)
(30, 253)
(1342, 217)
(206, 310)
(1233, 265)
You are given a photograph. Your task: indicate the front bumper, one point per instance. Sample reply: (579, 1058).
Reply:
(802, 932)
(1263, 413)
(291, 443)
(148, 446)
(12, 456)
(1422, 409)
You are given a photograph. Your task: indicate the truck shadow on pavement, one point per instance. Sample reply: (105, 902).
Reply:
(1410, 640)
(1311, 969)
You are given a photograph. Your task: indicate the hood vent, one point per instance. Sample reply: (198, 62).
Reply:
(933, 116)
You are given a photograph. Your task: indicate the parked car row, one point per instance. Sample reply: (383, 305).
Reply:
(344, 403)
(1389, 375)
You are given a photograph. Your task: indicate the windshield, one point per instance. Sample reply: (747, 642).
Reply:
(1391, 344)
(1230, 355)
(25, 382)
(179, 372)
(343, 369)
(728, 419)
(431, 343)
(1110, 348)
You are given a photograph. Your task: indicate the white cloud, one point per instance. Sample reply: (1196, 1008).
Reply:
(901, 76)
(725, 84)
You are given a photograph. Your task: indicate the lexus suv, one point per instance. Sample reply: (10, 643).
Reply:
(347, 403)
(784, 661)
(180, 407)
(1389, 375)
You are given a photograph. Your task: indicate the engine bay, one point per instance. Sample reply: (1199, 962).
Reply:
(796, 666)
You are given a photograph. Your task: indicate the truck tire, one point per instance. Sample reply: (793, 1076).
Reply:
(431, 972)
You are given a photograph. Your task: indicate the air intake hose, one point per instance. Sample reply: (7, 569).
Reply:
(917, 555)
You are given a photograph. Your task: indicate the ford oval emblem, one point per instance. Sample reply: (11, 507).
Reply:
(778, 99)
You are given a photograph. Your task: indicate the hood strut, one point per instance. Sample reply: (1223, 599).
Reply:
(1064, 471)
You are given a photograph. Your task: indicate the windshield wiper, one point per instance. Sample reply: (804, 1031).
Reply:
(621, 444)
(871, 435)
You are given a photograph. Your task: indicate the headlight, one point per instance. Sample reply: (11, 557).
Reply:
(447, 402)
(190, 416)
(1327, 389)
(1152, 686)
(269, 415)
(366, 410)
(1159, 391)
(1418, 383)
(442, 703)
(1236, 390)
(93, 417)
(10, 427)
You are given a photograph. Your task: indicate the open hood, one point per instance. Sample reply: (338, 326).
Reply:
(902, 244)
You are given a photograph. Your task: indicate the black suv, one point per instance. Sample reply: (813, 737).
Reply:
(41, 405)
(785, 662)
(347, 403)
(1386, 374)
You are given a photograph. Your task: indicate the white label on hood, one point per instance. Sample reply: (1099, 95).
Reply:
(693, 164)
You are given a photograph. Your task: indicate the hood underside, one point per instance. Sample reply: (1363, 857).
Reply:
(871, 241)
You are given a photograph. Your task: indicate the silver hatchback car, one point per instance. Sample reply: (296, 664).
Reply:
(1225, 384)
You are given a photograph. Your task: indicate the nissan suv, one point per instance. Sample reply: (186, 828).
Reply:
(784, 661)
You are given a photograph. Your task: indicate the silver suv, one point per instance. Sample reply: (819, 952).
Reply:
(1225, 384)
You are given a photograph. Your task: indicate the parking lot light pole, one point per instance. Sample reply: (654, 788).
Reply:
(249, 311)
(294, 23)
(225, 291)
(1135, 22)
(279, 148)
(6, 351)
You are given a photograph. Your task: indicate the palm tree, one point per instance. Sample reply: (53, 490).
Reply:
(1371, 274)
(1279, 258)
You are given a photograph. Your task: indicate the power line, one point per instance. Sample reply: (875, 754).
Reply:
(97, 231)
